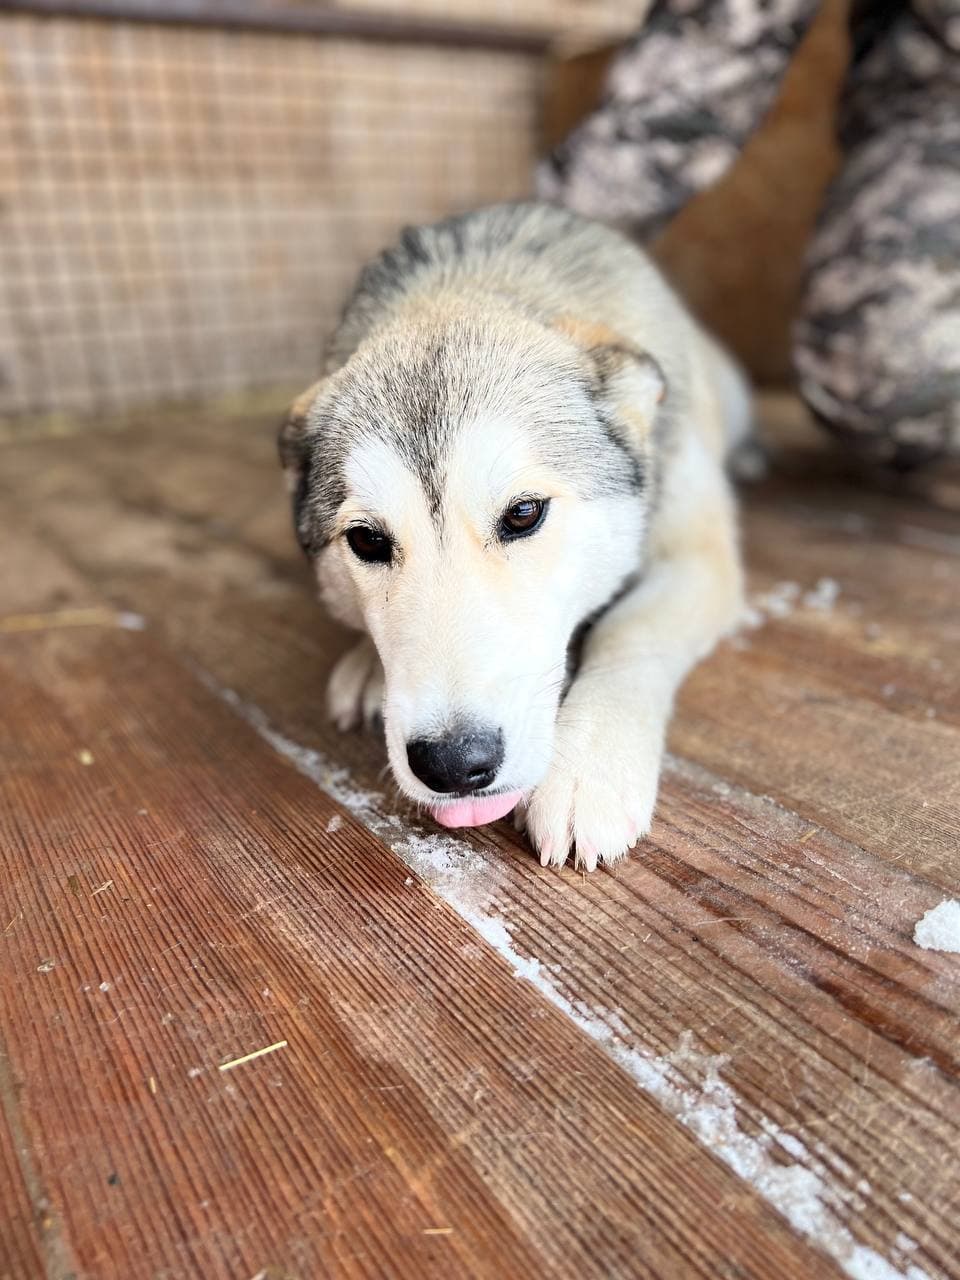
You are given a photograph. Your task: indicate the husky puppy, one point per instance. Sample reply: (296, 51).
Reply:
(511, 474)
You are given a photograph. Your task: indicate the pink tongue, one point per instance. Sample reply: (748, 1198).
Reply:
(474, 813)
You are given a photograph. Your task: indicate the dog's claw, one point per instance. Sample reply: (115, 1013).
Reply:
(586, 855)
(600, 805)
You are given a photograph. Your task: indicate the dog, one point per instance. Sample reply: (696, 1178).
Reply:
(511, 478)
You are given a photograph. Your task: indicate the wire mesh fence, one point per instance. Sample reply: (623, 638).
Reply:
(182, 209)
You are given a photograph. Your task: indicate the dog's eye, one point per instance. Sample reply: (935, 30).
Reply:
(523, 518)
(369, 544)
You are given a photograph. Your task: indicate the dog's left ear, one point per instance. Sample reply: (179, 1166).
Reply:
(293, 444)
(629, 382)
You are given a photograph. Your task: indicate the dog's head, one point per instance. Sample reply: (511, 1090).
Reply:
(471, 488)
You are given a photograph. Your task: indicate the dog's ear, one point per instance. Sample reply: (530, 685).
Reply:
(631, 383)
(628, 382)
(293, 444)
(292, 435)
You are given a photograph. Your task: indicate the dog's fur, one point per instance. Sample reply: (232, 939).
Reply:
(517, 352)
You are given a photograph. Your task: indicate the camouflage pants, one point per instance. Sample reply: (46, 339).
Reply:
(877, 338)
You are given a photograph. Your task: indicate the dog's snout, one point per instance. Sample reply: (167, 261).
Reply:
(464, 760)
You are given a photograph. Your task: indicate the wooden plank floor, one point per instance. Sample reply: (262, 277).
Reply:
(727, 1058)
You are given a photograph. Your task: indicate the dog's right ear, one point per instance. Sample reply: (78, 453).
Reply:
(293, 444)
(292, 438)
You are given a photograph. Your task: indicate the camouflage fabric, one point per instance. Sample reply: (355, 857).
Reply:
(877, 340)
(680, 101)
(943, 17)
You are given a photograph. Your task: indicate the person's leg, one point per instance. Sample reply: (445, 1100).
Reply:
(680, 101)
(943, 18)
(877, 342)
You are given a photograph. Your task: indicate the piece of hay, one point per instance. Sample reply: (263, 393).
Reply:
(18, 622)
(249, 1057)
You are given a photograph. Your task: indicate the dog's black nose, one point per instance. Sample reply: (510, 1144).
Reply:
(463, 760)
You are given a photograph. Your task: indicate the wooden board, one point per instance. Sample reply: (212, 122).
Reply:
(183, 898)
(25, 1219)
(755, 1025)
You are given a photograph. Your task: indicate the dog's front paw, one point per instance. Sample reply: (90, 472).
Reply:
(599, 792)
(355, 689)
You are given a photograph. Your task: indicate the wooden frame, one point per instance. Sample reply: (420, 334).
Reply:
(294, 19)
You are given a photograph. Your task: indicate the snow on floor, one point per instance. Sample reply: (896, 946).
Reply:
(466, 878)
(785, 597)
(939, 928)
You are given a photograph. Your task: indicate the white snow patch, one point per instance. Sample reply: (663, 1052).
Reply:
(131, 621)
(779, 602)
(335, 823)
(494, 930)
(686, 1082)
(823, 596)
(939, 928)
(785, 597)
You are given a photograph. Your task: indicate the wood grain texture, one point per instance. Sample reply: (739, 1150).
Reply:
(180, 902)
(24, 1216)
(809, 742)
(815, 997)
(737, 1018)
